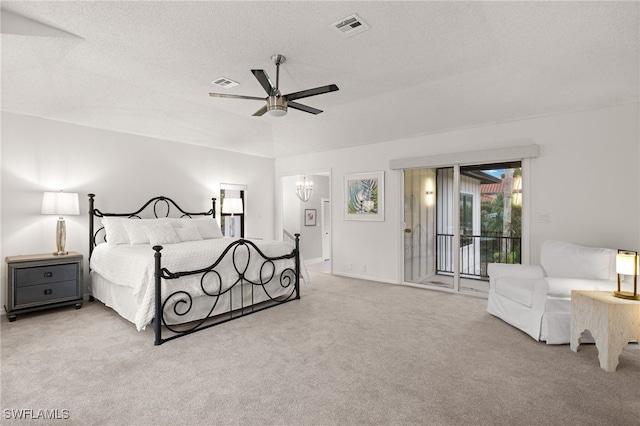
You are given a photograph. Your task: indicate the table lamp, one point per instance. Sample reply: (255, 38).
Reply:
(60, 203)
(627, 264)
(232, 206)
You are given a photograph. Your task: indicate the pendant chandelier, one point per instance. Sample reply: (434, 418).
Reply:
(304, 189)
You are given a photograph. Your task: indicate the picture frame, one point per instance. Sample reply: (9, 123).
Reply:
(364, 196)
(310, 217)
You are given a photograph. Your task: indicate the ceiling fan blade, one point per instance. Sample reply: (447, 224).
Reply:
(224, 95)
(311, 92)
(265, 81)
(304, 108)
(260, 112)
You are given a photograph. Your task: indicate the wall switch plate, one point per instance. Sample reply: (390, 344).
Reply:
(544, 217)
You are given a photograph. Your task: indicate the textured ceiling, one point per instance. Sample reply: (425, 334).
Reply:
(423, 67)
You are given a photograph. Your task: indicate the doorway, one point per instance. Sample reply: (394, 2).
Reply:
(311, 219)
(233, 207)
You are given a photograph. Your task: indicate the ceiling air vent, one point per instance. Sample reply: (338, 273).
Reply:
(225, 82)
(350, 26)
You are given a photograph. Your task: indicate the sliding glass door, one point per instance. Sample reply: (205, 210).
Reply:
(422, 226)
(458, 220)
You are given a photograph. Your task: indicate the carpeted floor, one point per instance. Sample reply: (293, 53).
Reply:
(349, 352)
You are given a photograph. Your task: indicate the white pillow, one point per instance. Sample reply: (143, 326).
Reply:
(161, 233)
(135, 229)
(188, 234)
(561, 259)
(207, 226)
(114, 230)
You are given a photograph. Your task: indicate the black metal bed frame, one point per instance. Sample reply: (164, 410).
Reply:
(181, 301)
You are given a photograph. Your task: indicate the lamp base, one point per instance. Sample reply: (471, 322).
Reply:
(626, 295)
(61, 238)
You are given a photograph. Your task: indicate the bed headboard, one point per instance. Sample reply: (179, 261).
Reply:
(151, 206)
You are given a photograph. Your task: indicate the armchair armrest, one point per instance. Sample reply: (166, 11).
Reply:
(524, 284)
(527, 272)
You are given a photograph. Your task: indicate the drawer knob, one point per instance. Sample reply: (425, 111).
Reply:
(48, 291)
(48, 274)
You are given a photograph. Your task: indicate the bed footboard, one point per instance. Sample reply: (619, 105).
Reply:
(259, 282)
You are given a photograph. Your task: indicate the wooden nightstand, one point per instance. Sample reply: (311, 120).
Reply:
(43, 281)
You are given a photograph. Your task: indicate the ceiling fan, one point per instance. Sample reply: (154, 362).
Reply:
(277, 103)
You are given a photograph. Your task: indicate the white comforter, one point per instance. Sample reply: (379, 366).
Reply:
(133, 266)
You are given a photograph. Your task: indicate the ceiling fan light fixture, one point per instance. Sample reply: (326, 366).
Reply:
(276, 106)
(277, 112)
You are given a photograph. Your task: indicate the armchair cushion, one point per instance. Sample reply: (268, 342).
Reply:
(561, 287)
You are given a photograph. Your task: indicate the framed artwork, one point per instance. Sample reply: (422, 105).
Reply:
(364, 196)
(310, 217)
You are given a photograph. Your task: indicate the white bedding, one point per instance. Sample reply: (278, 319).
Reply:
(133, 266)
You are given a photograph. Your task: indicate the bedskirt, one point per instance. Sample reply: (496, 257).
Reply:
(121, 299)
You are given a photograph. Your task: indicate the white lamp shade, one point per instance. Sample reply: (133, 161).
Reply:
(232, 206)
(627, 263)
(60, 203)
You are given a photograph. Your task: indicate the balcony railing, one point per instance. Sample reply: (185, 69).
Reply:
(476, 252)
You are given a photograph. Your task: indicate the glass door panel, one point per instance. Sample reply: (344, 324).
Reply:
(490, 220)
(421, 192)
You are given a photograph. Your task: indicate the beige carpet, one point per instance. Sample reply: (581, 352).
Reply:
(349, 352)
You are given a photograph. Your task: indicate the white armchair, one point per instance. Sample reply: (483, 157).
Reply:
(537, 298)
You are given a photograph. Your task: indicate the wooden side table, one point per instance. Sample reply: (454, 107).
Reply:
(613, 323)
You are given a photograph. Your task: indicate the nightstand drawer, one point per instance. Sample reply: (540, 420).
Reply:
(47, 293)
(46, 274)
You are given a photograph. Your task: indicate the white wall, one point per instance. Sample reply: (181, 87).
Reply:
(123, 171)
(586, 179)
